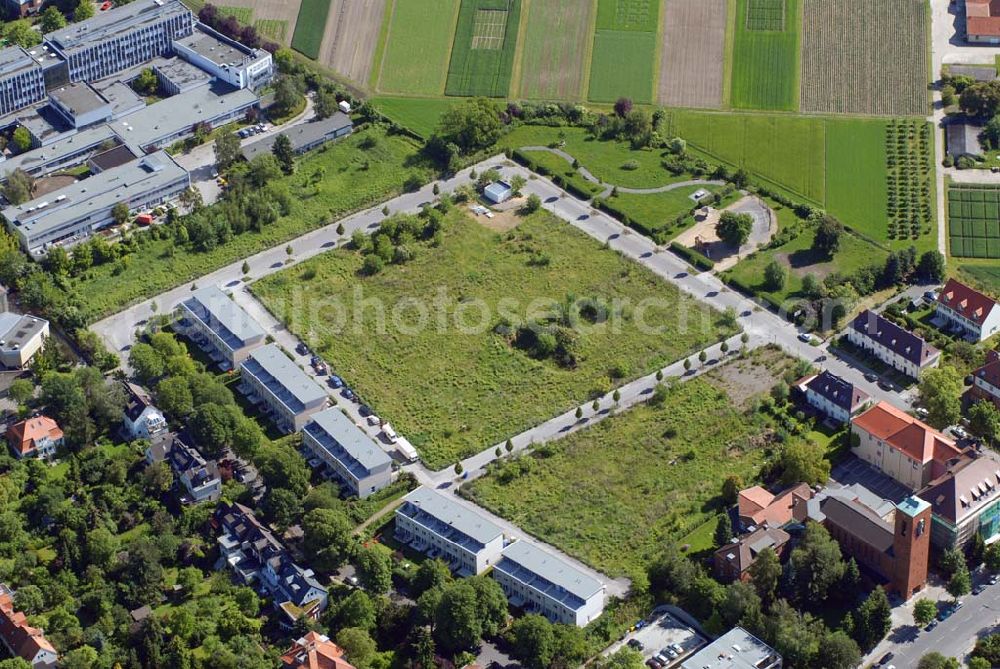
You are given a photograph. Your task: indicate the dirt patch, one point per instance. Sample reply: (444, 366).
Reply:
(46, 185)
(743, 379)
(351, 37)
(504, 218)
(693, 54)
(800, 263)
(702, 235)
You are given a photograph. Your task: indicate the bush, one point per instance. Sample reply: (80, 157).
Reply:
(698, 260)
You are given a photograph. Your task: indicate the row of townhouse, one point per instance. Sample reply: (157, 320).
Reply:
(354, 458)
(899, 348)
(256, 558)
(441, 527)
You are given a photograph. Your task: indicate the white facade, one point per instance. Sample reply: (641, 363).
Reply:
(826, 407)
(361, 466)
(147, 424)
(241, 66)
(283, 390)
(890, 357)
(979, 332)
(220, 326)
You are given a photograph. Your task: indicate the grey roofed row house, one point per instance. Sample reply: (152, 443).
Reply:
(220, 326)
(835, 397)
(352, 455)
(537, 581)
(86, 206)
(896, 346)
(271, 379)
(305, 136)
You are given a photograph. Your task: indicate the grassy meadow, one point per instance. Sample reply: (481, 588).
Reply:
(765, 63)
(418, 47)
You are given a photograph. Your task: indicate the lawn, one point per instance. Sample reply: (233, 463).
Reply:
(765, 57)
(451, 384)
(985, 276)
(356, 177)
(310, 26)
(549, 164)
(418, 47)
(482, 57)
(974, 221)
(856, 189)
(656, 212)
(612, 495)
(421, 115)
(622, 66)
(242, 14)
(788, 152)
(552, 66)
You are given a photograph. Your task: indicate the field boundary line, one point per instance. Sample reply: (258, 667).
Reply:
(658, 46)
(451, 48)
(522, 37)
(375, 76)
(588, 54)
(732, 14)
(799, 29)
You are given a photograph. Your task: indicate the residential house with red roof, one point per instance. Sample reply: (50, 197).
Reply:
(21, 639)
(901, 446)
(967, 311)
(757, 507)
(314, 651)
(986, 380)
(982, 21)
(37, 437)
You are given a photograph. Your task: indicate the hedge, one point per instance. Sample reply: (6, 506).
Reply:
(698, 260)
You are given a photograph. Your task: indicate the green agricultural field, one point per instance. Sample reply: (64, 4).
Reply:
(635, 15)
(856, 190)
(456, 385)
(273, 29)
(985, 276)
(622, 66)
(552, 65)
(788, 152)
(421, 115)
(765, 58)
(614, 494)
(310, 26)
(418, 47)
(242, 14)
(358, 175)
(482, 58)
(974, 221)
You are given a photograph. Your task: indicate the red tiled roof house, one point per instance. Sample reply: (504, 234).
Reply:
(20, 638)
(982, 21)
(986, 380)
(37, 437)
(968, 311)
(314, 651)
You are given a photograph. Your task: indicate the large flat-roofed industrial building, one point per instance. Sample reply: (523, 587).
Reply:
(357, 461)
(539, 582)
(22, 82)
(305, 136)
(86, 206)
(121, 38)
(226, 59)
(736, 649)
(220, 326)
(21, 337)
(275, 383)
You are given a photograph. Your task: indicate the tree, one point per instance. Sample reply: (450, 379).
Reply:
(931, 267)
(935, 660)
(287, 93)
(21, 391)
(83, 657)
(624, 658)
(283, 151)
(84, 10)
(457, 624)
(19, 185)
(803, 461)
(22, 139)
(622, 107)
(960, 583)
(839, 651)
(471, 125)
(723, 530)
(374, 570)
(430, 574)
(817, 564)
(991, 558)
(734, 229)
(355, 610)
(988, 649)
(532, 204)
(872, 620)
(981, 99)
(282, 507)
(826, 242)
(29, 599)
(509, 445)
(775, 276)
(340, 229)
(924, 611)
(21, 33)
(458, 469)
(52, 19)
(358, 646)
(516, 184)
(979, 663)
(533, 641)
(765, 573)
(147, 83)
(245, 268)
(120, 213)
(327, 538)
(941, 394)
(326, 102)
(984, 421)
(227, 150)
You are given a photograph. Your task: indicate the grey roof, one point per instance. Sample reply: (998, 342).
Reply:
(78, 97)
(977, 72)
(181, 73)
(902, 342)
(18, 329)
(963, 139)
(224, 317)
(215, 48)
(347, 442)
(453, 515)
(302, 135)
(96, 194)
(838, 391)
(736, 649)
(110, 24)
(859, 521)
(180, 112)
(283, 377)
(116, 157)
(121, 96)
(15, 59)
(965, 490)
(548, 568)
(36, 159)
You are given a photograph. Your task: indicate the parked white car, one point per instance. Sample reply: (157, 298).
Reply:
(389, 433)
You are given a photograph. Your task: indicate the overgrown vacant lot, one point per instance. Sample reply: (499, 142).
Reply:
(613, 494)
(865, 57)
(364, 169)
(454, 391)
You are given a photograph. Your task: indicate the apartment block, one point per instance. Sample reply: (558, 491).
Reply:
(542, 583)
(444, 528)
(22, 82)
(967, 311)
(222, 328)
(900, 349)
(965, 501)
(280, 388)
(736, 649)
(228, 60)
(357, 461)
(21, 337)
(835, 398)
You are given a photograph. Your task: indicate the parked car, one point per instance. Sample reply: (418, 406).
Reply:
(806, 337)
(373, 419)
(979, 589)
(653, 663)
(347, 393)
(390, 434)
(636, 644)
(335, 381)
(931, 625)
(994, 579)
(365, 411)
(871, 378)
(886, 659)
(302, 349)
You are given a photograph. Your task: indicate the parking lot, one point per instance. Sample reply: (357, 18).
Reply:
(660, 634)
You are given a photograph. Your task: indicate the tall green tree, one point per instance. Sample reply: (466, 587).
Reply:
(283, 151)
(872, 620)
(723, 530)
(941, 394)
(52, 19)
(471, 125)
(826, 242)
(533, 641)
(734, 229)
(765, 573)
(924, 611)
(227, 150)
(817, 564)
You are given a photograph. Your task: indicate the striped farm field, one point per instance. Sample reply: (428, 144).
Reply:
(865, 57)
(624, 57)
(765, 62)
(310, 27)
(552, 66)
(418, 47)
(482, 58)
(692, 61)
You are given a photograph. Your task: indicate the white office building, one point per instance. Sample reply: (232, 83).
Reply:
(229, 61)
(542, 583)
(444, 528)
(361, 466)
(277, 385)
(736, 649)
